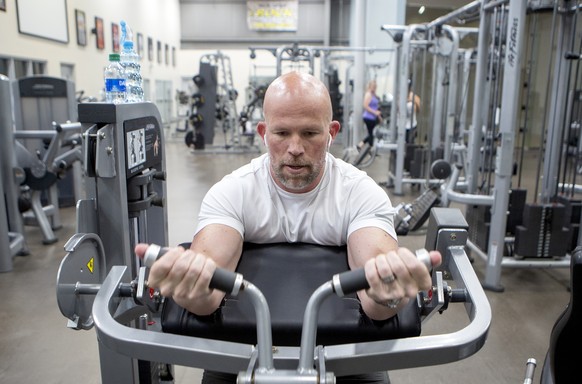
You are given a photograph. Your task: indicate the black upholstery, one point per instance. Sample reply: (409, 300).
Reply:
(566, 337)
(287, 274)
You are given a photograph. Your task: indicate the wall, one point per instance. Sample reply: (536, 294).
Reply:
(217, 21)
(158, 19)
(198, 41)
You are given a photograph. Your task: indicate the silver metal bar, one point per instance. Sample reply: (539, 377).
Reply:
(309, 331)
(264, 337)
(471, 7)
(480, 94)
(340, 359)
(423, 350)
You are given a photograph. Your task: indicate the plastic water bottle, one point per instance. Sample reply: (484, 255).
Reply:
(130, 61)
(114, 74)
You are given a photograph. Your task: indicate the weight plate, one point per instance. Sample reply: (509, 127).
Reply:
(83, 265)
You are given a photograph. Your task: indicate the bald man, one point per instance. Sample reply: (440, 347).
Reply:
(296, 192)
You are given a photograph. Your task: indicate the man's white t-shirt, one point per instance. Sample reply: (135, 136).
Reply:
(345, 200)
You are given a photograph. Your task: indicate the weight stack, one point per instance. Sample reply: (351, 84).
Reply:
(336, 96)
(207, 86)
(479, 218)
(574, 209)
(516, 206)
(547, 233)
(415, 159)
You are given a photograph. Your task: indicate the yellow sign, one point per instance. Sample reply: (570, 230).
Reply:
(91, 265)
(272, 15)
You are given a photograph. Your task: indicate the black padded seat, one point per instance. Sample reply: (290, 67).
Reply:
(287, 274)
(563, 357)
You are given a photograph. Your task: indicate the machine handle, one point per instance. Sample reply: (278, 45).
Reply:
(226, 281)
(222, 279)
(352, 281)
(349, 282)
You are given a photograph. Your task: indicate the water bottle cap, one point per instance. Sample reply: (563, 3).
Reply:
(128, 45)
(114, 57)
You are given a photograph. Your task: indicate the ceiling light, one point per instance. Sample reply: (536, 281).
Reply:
(421, 10)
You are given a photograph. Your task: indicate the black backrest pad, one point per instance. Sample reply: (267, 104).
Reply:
(566, 337)
(287, 274)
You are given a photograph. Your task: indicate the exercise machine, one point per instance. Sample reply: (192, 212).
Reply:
(12, 241)
(344, 343)
(124, 165)
(46, 147)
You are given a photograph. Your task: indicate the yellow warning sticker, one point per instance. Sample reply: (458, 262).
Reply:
(91, 265)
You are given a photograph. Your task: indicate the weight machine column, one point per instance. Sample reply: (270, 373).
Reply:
(556, 119)
(507, 127)
(452, 92)
(11, 224)
(358, 9)
(402, 98)
(477, 123)
(125, 184)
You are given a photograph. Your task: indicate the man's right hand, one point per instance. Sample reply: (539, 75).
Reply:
(184, 275)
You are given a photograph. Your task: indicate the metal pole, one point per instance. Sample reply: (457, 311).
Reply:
(475, 134)
(452, 95)
(555, 122)
(471, 7)
(507, 127)
(359, 38)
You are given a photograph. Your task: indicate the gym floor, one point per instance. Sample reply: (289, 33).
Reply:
(36, 346)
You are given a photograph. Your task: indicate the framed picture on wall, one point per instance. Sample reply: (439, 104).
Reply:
(140, 45)
(32, 17)
(173, 56)
(159, 52)
(81, 22)
(167, 53)
(3, 5)
(115, 36)
(99, 33)
(150, 49)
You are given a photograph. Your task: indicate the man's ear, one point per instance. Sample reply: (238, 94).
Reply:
(334, 128)
(262, 130)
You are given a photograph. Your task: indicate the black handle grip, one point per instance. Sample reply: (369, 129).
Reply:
(355, 280)
(351, 281)
(225, 281)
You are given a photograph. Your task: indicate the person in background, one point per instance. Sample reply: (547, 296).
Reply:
(296, 192)
(412, 110)
(371, 115)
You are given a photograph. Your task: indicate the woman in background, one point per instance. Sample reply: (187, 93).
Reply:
(371, 115)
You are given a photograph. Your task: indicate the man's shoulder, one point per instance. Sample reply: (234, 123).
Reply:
(250, 170)
(340, 168)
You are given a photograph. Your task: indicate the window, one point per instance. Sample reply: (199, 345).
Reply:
(16, 68)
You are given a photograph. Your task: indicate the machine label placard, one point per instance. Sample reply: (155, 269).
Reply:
(143, 145)
(91, 265)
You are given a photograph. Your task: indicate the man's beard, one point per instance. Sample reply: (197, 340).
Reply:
(297, 182)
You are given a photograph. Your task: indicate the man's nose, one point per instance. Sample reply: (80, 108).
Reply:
(295, 146)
